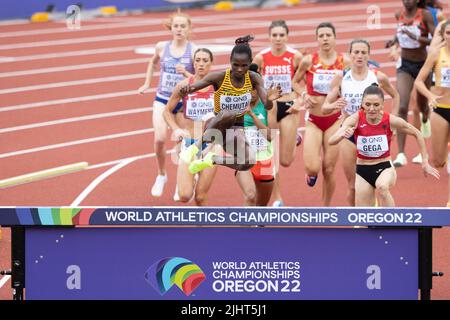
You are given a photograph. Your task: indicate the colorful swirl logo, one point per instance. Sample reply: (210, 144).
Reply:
(181, 272)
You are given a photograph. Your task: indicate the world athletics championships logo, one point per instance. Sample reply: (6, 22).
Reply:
(185, 274)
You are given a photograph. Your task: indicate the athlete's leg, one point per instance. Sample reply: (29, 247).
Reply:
(439, 140)
(348, 154)
(330, 157)
(384, 184)
(204, 183)
(364, 192)
(311, 149)
(404, 86)
(247, 184)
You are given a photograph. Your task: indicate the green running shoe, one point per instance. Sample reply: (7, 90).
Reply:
(202, 164)
(188, 154)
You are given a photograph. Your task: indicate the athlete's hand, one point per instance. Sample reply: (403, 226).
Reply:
(429, 170)
(274, 92)
(308, 102)
(184, 90)
(143, 88)
(394, 54)
(432, 102)
(348, 132)
(296, 107)
(179, 134)
(180, 68)
(338, 104)
(390, 43)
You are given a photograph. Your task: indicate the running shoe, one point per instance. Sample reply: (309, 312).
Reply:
(189, 153)
(158, 186)
(278, 203)
(299, 138)
(176, 196)
(417, 159)
(425, 128)
(311, 180)
(400, 161)
(202, 164)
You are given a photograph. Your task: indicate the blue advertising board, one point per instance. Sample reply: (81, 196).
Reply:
(243, 263)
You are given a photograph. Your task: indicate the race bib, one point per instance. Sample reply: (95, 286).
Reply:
(445, 77)
(372, 146)
(170, 80)
(353, 102)
(283, 79)
(235, 103)
(255, 138)
(405, 41)
(197, 108)
(322, 81)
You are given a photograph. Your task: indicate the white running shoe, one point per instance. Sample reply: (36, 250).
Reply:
(278, 203)
(176, 196)
(425, 128)
(400, 161)
(417, 159)
(158, 186)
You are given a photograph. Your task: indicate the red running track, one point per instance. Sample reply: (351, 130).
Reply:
(70, 96)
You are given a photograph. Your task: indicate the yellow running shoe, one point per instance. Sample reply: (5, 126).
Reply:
(202, 164)
(188, 154)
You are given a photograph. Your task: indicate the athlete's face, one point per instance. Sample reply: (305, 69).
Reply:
(180, 27)
(447, 34)
(202, 63)
(240, 62)
(326, 39)
(278, 37)
(409, 4)
(373, 106)
(359, 54)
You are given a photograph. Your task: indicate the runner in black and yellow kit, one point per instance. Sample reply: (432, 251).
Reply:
(232, 99)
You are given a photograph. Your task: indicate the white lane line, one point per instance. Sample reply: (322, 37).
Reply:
(200, 19)
(75, 53)
(98, 180)
(113, 63)
(53, 85)
(4, 280)
(71, 100)
(76, 119)
(137, 35)
(75, 142)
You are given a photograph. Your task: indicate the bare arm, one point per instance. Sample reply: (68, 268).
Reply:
(169, 116)
(387, 86)
(300, 73)
(259, 61)
(423, 75)
(267, 97)
(211, 79)
(402, 126)
(153, 64)
(332, 100)
(265, 130)
(346, 130)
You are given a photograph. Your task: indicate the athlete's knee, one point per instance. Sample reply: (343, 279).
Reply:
(250, 196)
(438, 163)
(159, 143)
(185, 195)
(312, 169)
(383, 190)
(327, 170)
(286, 159)
(200, 198)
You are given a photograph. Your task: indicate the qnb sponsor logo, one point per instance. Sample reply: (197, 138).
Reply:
(178, 271)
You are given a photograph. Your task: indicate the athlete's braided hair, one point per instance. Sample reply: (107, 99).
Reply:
(242, 46)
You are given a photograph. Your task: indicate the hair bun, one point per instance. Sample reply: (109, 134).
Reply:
(244, 40)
